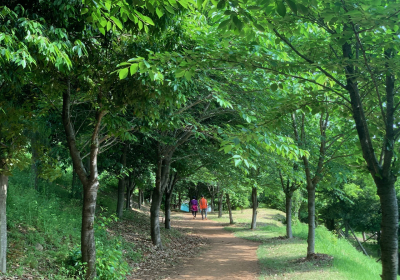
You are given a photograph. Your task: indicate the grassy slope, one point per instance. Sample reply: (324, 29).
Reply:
(44, 232)
(284, 259)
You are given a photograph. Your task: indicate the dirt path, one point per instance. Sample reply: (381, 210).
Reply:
(226, 257)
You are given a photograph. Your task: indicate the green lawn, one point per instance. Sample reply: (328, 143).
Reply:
(281, 258)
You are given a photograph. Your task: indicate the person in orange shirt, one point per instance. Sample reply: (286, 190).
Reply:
(203, 207)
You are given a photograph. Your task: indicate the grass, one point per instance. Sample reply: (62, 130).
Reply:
(282, 258)
(44, 231)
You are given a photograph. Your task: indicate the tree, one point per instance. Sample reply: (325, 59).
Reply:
(354, 58)
(288, 187)
(24, 43)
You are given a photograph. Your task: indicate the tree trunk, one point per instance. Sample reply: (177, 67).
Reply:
(140, 199)
(330, 224)
(162, 180)
(220, 204)
(211, 190)
(255, 204)
(311, 222)
(289, 196)
(130, 187)
(380, 170)
(35, 159)
(88, 246)
(179, 200)
(346, 228)
(168, 194)
(389, 227)
(228, 203)
(3, 222)
(168, 210)
(364, 236)
(121, 183)
(155, 219)
(89, 179)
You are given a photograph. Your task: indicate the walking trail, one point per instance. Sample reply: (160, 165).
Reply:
(225, 257)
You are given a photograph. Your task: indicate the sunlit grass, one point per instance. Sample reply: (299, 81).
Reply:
(281, 258)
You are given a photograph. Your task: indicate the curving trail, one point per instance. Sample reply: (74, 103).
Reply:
(225, 257)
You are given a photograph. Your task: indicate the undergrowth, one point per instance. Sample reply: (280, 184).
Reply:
(44, 233)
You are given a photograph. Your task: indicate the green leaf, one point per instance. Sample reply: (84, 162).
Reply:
(144, 18)
(228, 148)
(302, 9)
(221, 5)
(274, 87)
(103, 22)
(84, 11)
(169, 9)
(159, 13)
(180, 74)
(292, 6)
(259, 27)
(224, 23)
(237, 22)
(109, 25)
(281, 9)
(117, 22)
(108, 5)
(102, 31)
(187, 75)
(123, 73)
(151, 75)
(134, 68)
(199, 4)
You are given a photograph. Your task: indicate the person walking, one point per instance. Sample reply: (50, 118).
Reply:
(203, 207)
(194, 207)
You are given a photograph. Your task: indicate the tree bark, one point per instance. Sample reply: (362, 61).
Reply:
(211, 190)
(168, 195)
(130, 187)
(389, 227)
(35, 159)
(311, 222)
(162, 178)
(220, 204)
(155, 219)
(140, 199)
(167, 222)
(288, 189)
(121, 183)
(88, 246)
(289, 215)
(228, 203)
(255, 205)
(3, 222)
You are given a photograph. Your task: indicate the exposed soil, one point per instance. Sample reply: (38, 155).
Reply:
(318, 259)
(225, 256)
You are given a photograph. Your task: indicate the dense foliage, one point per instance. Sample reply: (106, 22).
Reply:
(290, 104)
